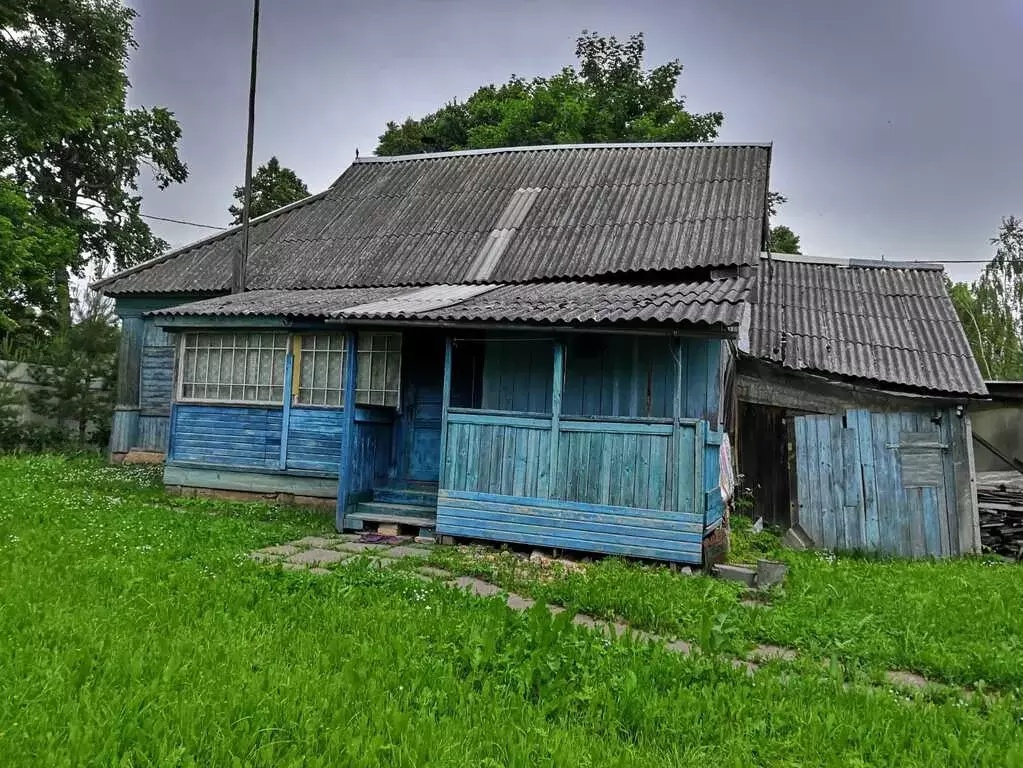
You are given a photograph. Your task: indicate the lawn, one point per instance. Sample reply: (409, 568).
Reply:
(135, 632)
(959, 621)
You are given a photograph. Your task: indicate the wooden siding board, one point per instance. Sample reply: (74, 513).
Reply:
(563, 525)
(871, 534)
(255, 482)
(227, 435)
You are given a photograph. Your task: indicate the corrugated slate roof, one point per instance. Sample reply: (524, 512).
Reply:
(499, 216)
(889, 323)
(711, 302)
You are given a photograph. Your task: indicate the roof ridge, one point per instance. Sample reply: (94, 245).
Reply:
(560, 147)
(850, 263)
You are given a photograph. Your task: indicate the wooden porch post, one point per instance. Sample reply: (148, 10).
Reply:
(445, 402)
(558, 385)
(676, 437)
(289, 373)
(344, 475)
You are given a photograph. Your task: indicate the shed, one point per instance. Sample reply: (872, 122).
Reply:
(853, 407)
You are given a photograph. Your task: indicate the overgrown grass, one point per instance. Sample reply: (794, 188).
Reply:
(958, 621)
(134, 632)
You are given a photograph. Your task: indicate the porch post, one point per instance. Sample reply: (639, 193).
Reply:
(445, 402)
(676, 436)
(289, 394)
(344, 475)
(558, 384)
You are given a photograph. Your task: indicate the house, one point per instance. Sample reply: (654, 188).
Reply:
(526, 345)
(853, 407)
(538, 345)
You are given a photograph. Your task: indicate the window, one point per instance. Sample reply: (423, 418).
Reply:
(320, 369)
(233, 367)
(378, 376)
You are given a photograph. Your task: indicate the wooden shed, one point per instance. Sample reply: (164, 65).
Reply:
(854, 399)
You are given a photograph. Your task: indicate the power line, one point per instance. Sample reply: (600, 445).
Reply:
(182, 221)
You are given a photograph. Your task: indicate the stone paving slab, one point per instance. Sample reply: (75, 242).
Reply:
(319, 571)
(403, 551)
(317, 557)
(374, 562)
(319, 542)
(908, 679)
(359, 546)
(772, 653)
(264, 557)
(281, 550)
(476, 586)
(437, 573)
(520, 603)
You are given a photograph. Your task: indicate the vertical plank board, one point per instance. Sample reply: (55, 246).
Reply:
(699, 448)
(931, 512)
(869, 531)
(486, 448)
(557, 385)
(838, 481)
(521, 462)
(829, 537)
(884, 475)
(912, 422)
(970, 519)
(611, 461)
(533, 459)
(963, 511)
(803, 514)
(946, 494)
(713, 399)
(543, 478)
(473, 456)
(685, 471)
(904, 531)
(499, 460)
(628, 492)
(658, 479)
(853, 490)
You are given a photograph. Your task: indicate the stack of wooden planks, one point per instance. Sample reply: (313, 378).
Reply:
(1000, 509)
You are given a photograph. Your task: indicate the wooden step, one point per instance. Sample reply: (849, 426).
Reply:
(416, 497)
(400, 514)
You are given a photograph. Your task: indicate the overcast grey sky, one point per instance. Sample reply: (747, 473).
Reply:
(895, 124)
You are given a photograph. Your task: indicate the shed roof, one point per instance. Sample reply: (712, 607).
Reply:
(495, 216)
(717, 303)
(888, 322)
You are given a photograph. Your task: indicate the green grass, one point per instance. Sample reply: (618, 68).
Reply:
(134, 632)
(955, 621)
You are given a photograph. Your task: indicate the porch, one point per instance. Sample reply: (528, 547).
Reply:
(605, 442)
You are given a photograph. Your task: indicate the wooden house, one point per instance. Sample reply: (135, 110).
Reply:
(533, 345)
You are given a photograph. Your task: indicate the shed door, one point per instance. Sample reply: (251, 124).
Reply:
(876, 481)
(423, 365)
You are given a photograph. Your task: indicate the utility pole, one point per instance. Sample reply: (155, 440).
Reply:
(241, 256)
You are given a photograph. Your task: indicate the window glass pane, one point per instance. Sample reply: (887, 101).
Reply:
(233, 367)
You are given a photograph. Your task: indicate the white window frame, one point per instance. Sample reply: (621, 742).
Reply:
(336, 348)
(279, 344)
(373, 360)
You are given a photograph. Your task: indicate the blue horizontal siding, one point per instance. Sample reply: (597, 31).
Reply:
(227, 435)
(610, 530)
(157, 379)
(314, 439)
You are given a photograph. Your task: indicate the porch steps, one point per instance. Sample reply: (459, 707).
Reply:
(398, 514)
(416, 497)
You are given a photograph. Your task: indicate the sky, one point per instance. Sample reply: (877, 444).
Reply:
(894, 124)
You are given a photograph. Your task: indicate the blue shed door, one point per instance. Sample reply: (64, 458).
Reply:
(877, 481)
(423, 365)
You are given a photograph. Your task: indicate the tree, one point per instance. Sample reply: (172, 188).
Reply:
(81, 368)
(30, 252)
(273, 186)
(610, 97)
(783, 240)
(71, 142)
(991, 308)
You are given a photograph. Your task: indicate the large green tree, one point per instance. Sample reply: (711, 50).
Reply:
(70, 140)
(609, 97)
(30, 252)
(273, 186)
(991, 308)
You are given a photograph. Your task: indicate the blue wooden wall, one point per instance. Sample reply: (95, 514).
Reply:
(505, 456)
(314, 439)
(619, 375)
(517, 375)
(156, 389)
(878, 482)
(231, 436)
